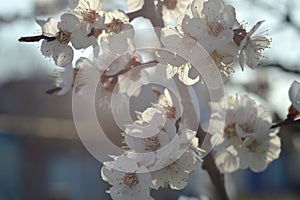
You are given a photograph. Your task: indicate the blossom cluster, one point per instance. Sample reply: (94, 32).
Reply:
(214, 26)
(247, 140)
(160, 146)
(211, 24)
(84, 25)
(161, 151)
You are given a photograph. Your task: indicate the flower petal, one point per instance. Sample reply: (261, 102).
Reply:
(81, 41)
(134, 5)
(63, 55)
(69, 22)
(47, 47)
(50, 27)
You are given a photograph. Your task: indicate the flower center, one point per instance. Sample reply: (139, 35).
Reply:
(253, 146)
(131, 180)
(170, 112)
(293, 113)
(152, 144)
(90, 16)
(63, 37)
(239, 35)
(215, 28)
(95, 32)
(247, 127)
(217, 57)
(115, 26)
(109, 83)
(230, 131)
(171, 4)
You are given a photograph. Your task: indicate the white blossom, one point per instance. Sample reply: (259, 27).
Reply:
(228, 159)
(258, 153)
(57, 48)
(172, 9)
(211, 23)
(119, 32)
(85, 10)
(224, 58)
(134, 5)
(90, 15)
(151, 132)
(212, 26)
(149, 144)
(180, 143)
(132, 81)
(64, 79)
(183, 73)
(247, 137)
(175, 174)
(251, 46)
(87, 72)
(169, 105)
(126, 185)
(63, 32)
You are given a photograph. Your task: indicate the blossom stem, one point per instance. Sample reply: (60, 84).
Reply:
(53, 90)
(36, 38)
(124, 71)
(135, 14)
(286, 122)
(292, 70)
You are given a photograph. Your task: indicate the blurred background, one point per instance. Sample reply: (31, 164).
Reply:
(41, 156)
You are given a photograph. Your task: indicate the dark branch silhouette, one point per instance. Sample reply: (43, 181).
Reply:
(36, 38)
(292, 70)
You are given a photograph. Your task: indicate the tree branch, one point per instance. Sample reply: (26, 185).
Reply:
(209, 165)
(286, 122)
(282, 68)
(36, 38)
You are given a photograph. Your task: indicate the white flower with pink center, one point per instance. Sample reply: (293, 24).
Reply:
(251, 46)
(119, 32)
(247, 140)
(175, 174)
(63, 32)
(127, 182)
(89, 13)
(211, 26)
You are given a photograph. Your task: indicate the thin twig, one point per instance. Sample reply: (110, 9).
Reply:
(36, 38)
(286, 122)
(282, 68)
(140, 66)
